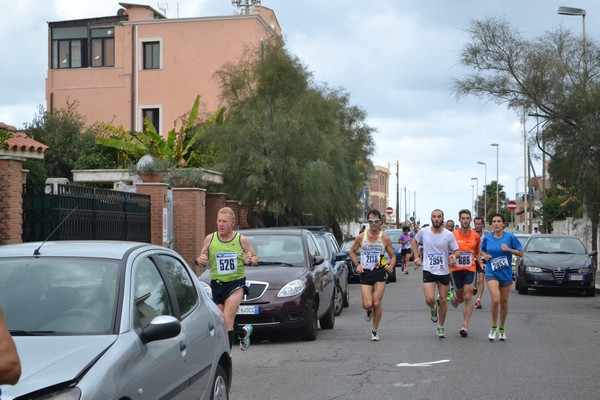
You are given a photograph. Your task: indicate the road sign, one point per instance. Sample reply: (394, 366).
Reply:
(389, 211)
(511, 205)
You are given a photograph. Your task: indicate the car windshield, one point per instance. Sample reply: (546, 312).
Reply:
(58, 296)
(394, 235)
(522, 238)
(561, 245)
(278, 248)
(347, 245)
(322, 242)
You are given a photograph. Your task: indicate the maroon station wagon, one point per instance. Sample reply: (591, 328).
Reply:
(292, 287)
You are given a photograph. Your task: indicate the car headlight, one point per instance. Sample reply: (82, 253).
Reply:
(207, 289)
(584, 270)
(65, 394)
(291, 289)
(533, 269)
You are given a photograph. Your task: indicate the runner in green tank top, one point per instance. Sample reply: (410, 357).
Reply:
(226, 252)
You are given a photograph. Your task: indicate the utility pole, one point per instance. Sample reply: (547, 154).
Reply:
(525, 178)
(397, 194)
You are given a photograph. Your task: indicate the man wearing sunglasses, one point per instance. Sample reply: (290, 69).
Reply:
(373, 267)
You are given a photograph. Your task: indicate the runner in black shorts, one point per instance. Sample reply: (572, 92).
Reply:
(428, 277)
(222, 290)
(373, 268)
(226, 247)
(371, 277)
(439, 253)
(478, 227)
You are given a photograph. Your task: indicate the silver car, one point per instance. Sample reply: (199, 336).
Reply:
(111, 320)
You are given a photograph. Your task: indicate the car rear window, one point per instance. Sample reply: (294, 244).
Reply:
(74, 296)
(278, 248)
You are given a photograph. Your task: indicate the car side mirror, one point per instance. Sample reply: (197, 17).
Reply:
(594, 253)
(341, 256)
(318, 260)
(160, 328)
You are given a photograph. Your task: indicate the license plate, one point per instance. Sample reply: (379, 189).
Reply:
(576, 278)
(248, 310)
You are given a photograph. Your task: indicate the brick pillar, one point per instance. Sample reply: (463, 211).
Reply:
(189, 223)
(214, 202)
(158, 200)
(243, 216)
(235, 206)
(12, 178)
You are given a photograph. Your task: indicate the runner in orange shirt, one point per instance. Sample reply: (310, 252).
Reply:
(463, 272)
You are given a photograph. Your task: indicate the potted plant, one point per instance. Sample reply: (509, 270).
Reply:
(152, 169)
(186, 177)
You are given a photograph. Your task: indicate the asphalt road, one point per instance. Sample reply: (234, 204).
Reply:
(552, 352)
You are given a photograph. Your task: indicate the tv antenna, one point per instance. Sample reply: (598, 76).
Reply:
(245, 5)
(163, 7)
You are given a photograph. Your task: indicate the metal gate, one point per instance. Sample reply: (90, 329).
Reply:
(67, 212)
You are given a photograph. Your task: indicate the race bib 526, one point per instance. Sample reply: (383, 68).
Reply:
(226, 262)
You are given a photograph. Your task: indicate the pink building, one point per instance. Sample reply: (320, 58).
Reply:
(139, 64)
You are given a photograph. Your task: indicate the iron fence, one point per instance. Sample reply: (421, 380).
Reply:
(67, 212)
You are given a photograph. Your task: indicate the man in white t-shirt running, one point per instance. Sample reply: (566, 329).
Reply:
(440, 251)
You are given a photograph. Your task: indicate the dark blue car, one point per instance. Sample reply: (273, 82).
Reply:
(337, 258)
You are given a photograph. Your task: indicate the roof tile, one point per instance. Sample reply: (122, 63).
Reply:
(21, 142)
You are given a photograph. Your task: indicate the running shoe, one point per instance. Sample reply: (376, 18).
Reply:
(450, 294)
(441, 332)
(369, 315)
(492, 334)
(245, 340)
(374, 336)
(463, 331)
(453, 302)
(406, 272)
(434, 313)
(478, 304)
(501, 335)
(474, 290)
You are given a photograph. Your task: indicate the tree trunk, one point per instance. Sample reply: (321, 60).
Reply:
(336, 229)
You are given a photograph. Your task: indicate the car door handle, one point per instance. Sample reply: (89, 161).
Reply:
(182, 346)
(211, 326)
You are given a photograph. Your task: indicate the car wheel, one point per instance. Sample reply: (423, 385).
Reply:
(392, 276)
(346, 297)
(219, 386)
(310, 331)
(338, 300)
(590, 292)
(522, 287)
(327, 321)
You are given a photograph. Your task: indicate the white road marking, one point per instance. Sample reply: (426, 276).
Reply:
(425, 364)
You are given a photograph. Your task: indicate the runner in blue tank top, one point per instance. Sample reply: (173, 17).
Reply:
(498, 248)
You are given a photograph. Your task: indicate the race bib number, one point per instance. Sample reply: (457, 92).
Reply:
(465, 259)
(227, 263)
(369, 260)
(499, 263)
(436, 260)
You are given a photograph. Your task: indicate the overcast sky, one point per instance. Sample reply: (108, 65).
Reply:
(396, 58)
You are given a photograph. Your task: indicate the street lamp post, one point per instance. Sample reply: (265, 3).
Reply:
(496, 145)
(577, 12)
(477, 193)
(472, 201)
(484, 192)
